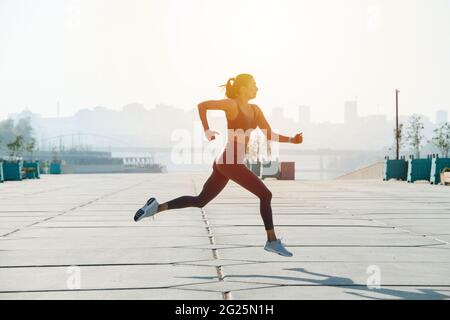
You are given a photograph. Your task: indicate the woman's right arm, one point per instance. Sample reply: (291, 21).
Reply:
(227, 105)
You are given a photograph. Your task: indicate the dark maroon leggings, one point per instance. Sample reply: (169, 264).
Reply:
(219, 178)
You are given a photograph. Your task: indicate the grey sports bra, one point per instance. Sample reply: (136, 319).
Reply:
(242, 121)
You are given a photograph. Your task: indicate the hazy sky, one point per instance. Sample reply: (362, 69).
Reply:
(316, 52)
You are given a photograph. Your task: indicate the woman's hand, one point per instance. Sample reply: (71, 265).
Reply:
(210, 134)
(298, 138)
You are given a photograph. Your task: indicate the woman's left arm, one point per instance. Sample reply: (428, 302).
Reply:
(266, 129)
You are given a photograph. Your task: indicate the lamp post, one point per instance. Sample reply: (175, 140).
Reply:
(396, 123)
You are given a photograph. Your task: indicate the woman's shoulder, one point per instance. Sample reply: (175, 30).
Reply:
(232, 110)
(256, 109)
(231, 103)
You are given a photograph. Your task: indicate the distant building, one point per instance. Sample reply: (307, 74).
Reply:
(277, 118)
(304, 115)
(277, 113)
(351, 111)
(441, 116)
(375, 119)
(134, 108)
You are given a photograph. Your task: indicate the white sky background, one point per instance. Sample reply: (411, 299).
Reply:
(86, 53)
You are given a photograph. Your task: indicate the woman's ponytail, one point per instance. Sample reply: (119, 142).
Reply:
(230, 91)
(233, 85)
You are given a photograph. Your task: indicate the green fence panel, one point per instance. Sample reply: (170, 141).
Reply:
(12, 170)
(395, 169)
(419, 169)
(32, 165)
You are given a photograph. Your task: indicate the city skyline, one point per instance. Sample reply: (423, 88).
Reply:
(136, 125)
(303, 111)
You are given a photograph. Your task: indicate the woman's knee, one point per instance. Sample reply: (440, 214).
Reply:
(199, 202)
(266, 195)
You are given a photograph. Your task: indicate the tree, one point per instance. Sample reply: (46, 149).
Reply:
(414, 135)
(29, 147)
(441, 139)
(54, 154)
(15, 147)
(23, 128)
(398, 134)
(9, 131)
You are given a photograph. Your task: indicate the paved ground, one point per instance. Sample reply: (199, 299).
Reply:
(344, 234)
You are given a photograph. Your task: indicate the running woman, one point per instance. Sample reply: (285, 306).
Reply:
(242, 118)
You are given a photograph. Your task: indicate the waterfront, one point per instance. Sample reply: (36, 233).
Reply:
(310, 165)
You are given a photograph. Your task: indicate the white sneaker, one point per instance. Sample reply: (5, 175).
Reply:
(148, 210)
(277, 247)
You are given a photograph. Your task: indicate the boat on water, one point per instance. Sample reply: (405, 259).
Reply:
(74, 161)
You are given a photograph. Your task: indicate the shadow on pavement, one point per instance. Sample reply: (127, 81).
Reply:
(341, 282)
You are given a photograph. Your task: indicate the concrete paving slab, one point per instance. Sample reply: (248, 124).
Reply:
(38, 207)
(288, 221)
(444, 237)
(131, 294)
(99, 232)
(126, 217)
(342, 254)
(216, 262)
(179, 215)
(343, 293)
(13, 219)
(431, 230)
(5, 231)
(104, 277)
(332, 238)
(102, 242)
(104, 256)
(325, 228)
(124, 224)
(15, 225)
(224, 286)
(29, 214)
(338, 273)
